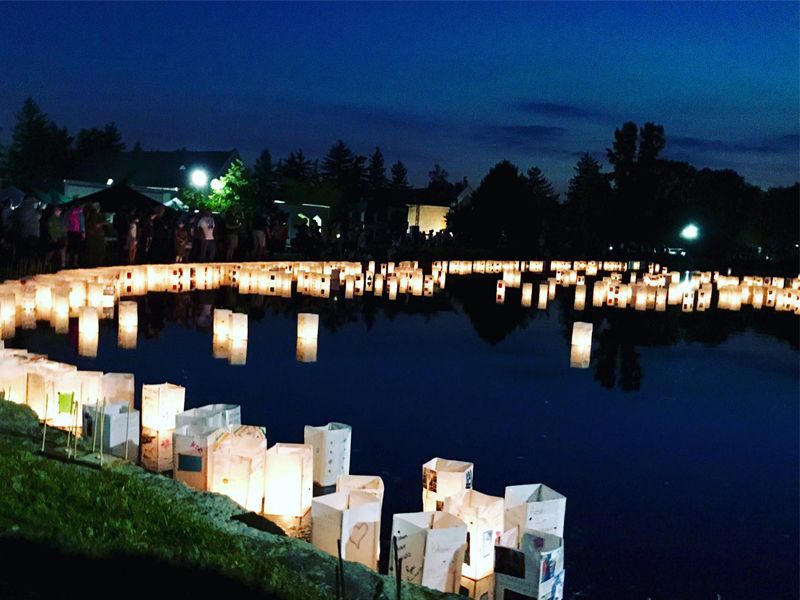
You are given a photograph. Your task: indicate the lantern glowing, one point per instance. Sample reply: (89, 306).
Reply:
(306, 350)
(237, 352)
(88, 331)
(599, 290)
(378, 285)
(289, 480)
(161, 403)
(331, 444)
(352, 517)
(222, 323)
(543, 295)
(580, 357)
(441, 478)
(527, 294)
(128, 314)
(190, 453)
(483, 515)
(118, 388)
(500, 295)
(238, 326)
(582, 334)
(432, 546)
(307, 326)
(368, 484)
(580, 297)
(60, 312)
(238, 460)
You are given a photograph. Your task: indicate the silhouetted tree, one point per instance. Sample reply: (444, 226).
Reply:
(296, 166)
(376, 171)
(39, 153)
(264, 181)
(587, 211)
(94, 141)
(399, 176)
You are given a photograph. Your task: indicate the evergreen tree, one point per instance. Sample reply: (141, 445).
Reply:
(399, 176)
(39, 153)
(94, 141)
(296, 167)
(586, 209)
(438, 177)
(376, 171)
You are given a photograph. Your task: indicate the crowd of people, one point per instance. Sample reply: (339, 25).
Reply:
(81, 234)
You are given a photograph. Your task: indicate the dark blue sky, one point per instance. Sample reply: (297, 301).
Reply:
(461, 84)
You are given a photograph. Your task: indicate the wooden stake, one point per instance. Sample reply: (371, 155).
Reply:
(44, 429)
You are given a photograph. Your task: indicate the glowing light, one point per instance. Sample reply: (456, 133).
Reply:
(199, 178)
(690, 232)
(109, 181)
(217, 184)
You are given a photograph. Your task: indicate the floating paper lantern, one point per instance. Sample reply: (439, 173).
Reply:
(431, 546)
(128, 314)
(527, 294)
(378, 285)
(352, 517)
(441, 478)
(238, 460)
(331, 445)
(88, 331)
(392, 281)
(127, 338)
(44, 301)
(534, 506)
(289, 480)
(580, 297)
(543, 295)
(60, 311)
(580, 357)
(237, 352)
(427, 286)
(599, 291)
(222, 323)
(535, 570)
(161, 403)
(238, 326)
(582, 334)
(307, 326)
(368, 484)
(94, 294)
(483, 515)
(687, 304)
(500, 295)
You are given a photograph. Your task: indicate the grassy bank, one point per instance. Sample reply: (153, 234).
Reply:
(120, 526)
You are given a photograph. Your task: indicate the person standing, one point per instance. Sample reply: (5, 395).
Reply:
(232, 226)
(259, 237)
(208, 245)
(181, 241)
(95, 236)
(57, 230)
(132, 239)
(75, 235)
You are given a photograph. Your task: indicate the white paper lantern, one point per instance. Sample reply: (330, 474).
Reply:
(580, 357)
(442, 477)
(368, 484)
(118, 388)
(289, 480)
(527, 294)
(306, 350)
(222, 323)
(191, 444)
(431, 546)
(535, 570)
(500, 295)
(352, 517)
(120, 428)
(582, 334)
(307, 326)
(483, 515)
(128, 315)
(238, 461)
(580, 297)
(331, 445)
(161, 404)
(534, 506)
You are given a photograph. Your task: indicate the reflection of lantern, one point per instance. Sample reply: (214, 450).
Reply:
(500, 296)
(527, 294)
(161, 403)
(127, 338)
(331, 444)
(128, 314)
(551, 288)
(94, 295)
(392, 287)
(237, 354)
(60, 312)
(306, 351)
(688, 301)
(289, 480)
(368, 484)
(222, 323)
(534, 506)
(307, 325)
(580, 357)
(543, 294)
(88, 331)
(661, 299)
(599, 293)
(378, 285)
(580, 297)
(483, 515)
(427, 286)
(582, 334)
(442, 478)
(238, 326)
(351, 518)
(436, 540)
(639, 296)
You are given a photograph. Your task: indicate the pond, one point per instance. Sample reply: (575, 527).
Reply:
(677, 448)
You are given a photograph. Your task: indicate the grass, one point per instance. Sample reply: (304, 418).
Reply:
(57, 512)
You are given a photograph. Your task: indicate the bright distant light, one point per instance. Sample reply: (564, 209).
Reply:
(199, 178)
(611, 247)
(109, 181)
(216, 184)
(690, 232)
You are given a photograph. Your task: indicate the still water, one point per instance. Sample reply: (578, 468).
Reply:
(677, 448)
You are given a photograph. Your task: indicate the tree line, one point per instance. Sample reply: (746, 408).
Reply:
(639, 204)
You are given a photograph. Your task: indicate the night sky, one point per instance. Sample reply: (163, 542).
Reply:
(464, 85)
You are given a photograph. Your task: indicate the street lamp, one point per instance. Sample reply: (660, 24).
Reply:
(690, 232)
(199, 178)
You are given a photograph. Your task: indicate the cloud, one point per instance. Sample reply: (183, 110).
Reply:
(564, 111)
(522, 137)
(770, 145)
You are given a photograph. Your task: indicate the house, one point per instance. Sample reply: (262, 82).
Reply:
(428, 207)
(155, 174)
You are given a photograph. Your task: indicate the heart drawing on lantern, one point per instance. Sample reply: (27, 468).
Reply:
(358, 533)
